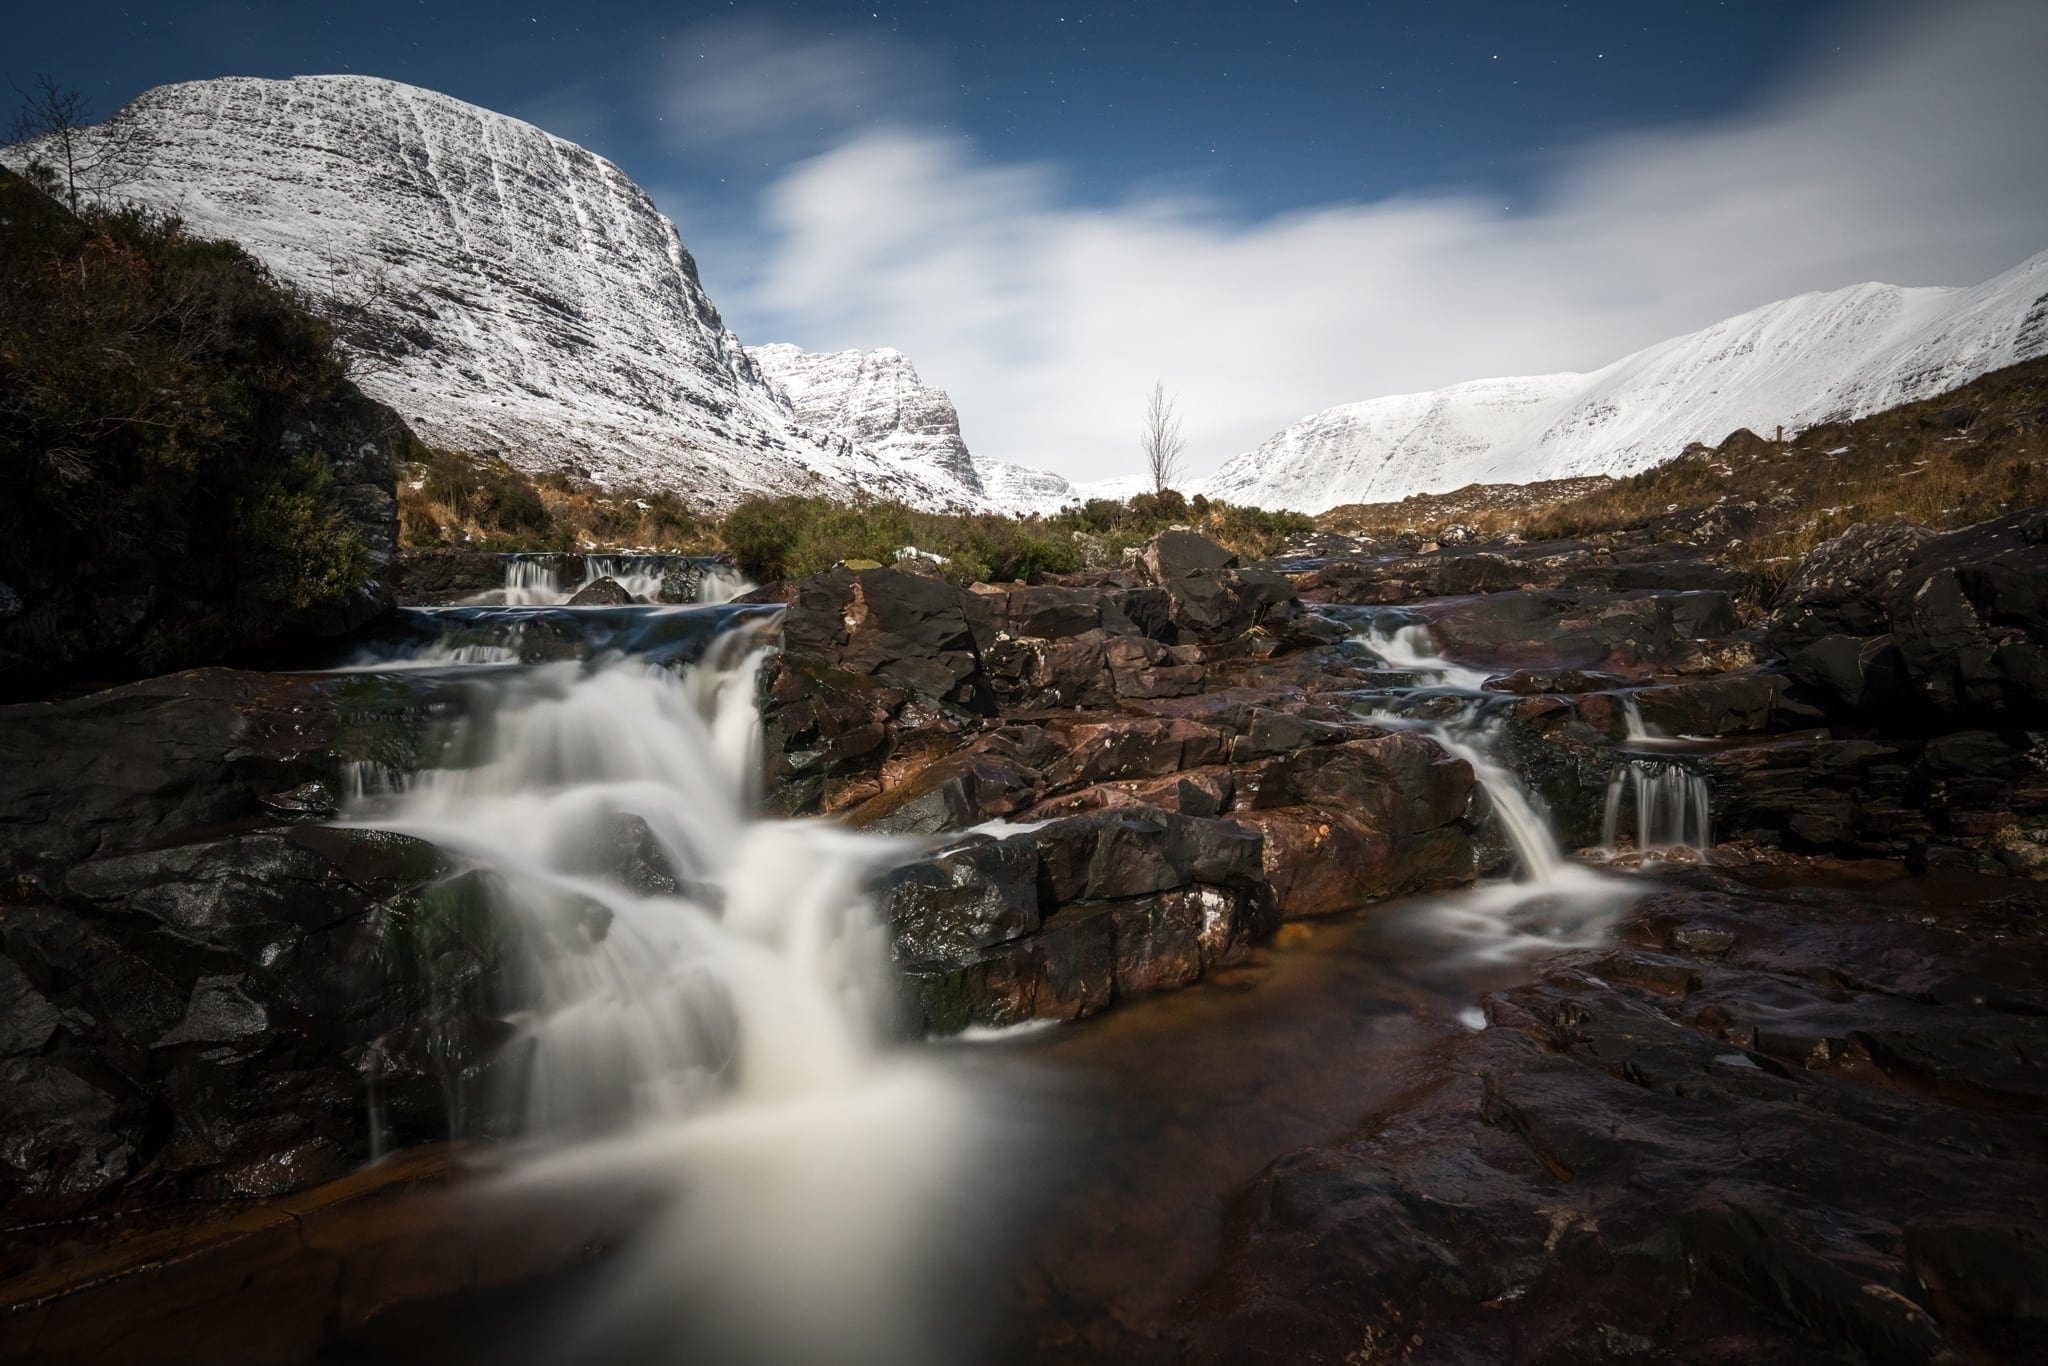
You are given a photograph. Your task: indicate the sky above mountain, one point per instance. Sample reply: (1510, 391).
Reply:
(1272, 208)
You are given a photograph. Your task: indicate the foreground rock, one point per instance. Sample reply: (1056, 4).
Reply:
(201, 983)
(1759, 1128)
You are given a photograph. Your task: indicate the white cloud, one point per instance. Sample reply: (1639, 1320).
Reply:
(751, 87)
(1914, 155)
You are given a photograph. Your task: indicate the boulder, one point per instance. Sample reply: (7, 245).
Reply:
(1969, 617)
(605, 592)
(1845, 586)
(1058, 921)
(907, 630)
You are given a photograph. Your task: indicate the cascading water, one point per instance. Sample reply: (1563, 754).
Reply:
(1550, 902)
(705, 999)
(534, 580)
(1409, 648)
(1667, 800)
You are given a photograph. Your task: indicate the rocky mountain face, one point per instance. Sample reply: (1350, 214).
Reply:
(872, 397)
(505, 290)
(1792, 364)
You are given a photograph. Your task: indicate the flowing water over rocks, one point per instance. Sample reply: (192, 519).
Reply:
(1387, 1070)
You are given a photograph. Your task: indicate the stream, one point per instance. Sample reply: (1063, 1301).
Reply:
(712, 1037)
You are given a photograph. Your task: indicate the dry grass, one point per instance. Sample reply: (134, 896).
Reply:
(1973, 453)
(1489, 510)
(447, 498)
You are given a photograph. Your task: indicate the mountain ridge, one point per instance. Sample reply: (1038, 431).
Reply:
(505, 290)
(1793, 363)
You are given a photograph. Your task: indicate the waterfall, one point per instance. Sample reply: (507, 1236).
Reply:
(1551, 902)
(534, 580)
(706, 998)
(1667, 800)
(1409, 648)
(528, 583)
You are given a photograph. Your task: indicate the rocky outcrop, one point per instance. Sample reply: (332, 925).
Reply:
(1757, 1127)
(200, 983)
(1060, 920)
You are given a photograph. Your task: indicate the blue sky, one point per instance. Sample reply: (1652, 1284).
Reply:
(1272, 206)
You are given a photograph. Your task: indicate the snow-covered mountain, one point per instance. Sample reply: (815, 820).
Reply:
(513, 292)
(873, 397)
(1813, 358)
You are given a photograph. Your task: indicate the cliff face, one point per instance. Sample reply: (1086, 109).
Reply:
(1791, 364)
(876, 399)
(507, 291)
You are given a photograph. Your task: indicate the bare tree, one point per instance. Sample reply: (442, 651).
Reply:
(1162, 442)
(66, 150)
(363, 307)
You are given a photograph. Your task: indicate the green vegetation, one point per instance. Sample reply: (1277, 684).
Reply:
(480, 501)
(789, 538)
(149, 513)
(445, 498)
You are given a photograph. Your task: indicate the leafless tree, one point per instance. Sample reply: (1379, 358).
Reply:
(362, 307)
(67, 151)
(1162, 443)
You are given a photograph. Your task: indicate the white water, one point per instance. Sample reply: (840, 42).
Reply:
(531, 581)
(720, 1046)
(1551, 902)
(1411, 649)
(1667, 802)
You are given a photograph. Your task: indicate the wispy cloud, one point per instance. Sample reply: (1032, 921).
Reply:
(1912, 155)
(752, 87)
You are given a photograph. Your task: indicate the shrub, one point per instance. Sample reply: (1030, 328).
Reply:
(147, 511)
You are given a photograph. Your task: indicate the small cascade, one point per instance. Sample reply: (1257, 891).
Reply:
(528, 583)
(1551, 902)
(1408, 647)
(1660, 802)
(536, 580)
(1668, 803)
(639, 575)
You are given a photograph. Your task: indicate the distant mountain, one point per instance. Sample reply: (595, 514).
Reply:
(508, 291)
(1814, 358)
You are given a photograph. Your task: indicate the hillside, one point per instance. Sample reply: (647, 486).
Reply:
(511, 293)
(1972, 453)
(1816, 358)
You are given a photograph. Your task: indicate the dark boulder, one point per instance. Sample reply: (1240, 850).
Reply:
(1059, 921)
(1969, 616)
(1845, 586)
(902, 629)
(605, 592)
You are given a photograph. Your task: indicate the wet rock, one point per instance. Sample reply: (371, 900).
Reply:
(1969, 616)
(1853, 675)
(1616, 1169)
(902, 629)
(1059, 921)
(1845, 586)
(1528, 682)
(605, 592)
(431, 576)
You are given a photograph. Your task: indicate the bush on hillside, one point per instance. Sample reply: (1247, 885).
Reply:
(147, 509)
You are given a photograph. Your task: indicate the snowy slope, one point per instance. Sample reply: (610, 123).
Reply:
(529, 298)
(1808, 359)
(873, 397)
